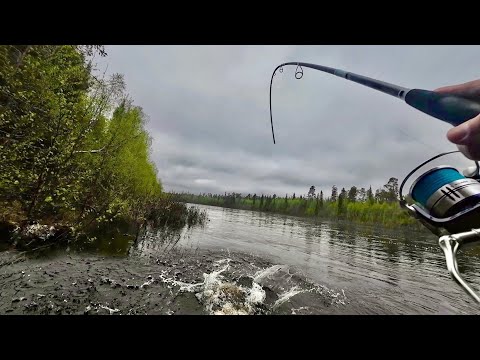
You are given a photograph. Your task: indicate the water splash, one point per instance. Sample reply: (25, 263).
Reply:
(337, 298)
(287, 296)
(294, 311)
(182, 285)
(110, 310)
(221, 296)
(257, 295)
(268, 272)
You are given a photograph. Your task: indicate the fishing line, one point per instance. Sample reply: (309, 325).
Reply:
(446, 107)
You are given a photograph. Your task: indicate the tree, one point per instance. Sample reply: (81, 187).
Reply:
(352, 194)
(311, 192)
(72, 145)
(362, 195)
(391, 190)
(333, 197)
(379, 195)
(341, 202)
(370, 197)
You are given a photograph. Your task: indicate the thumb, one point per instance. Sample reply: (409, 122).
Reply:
(464, 133)
(464, 149)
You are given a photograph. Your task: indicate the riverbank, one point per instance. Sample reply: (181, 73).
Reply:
(26, 235)
(388, 215)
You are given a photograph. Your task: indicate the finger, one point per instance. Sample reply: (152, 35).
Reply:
(462, 133)
(469, 89)
(465, 151)
(471, 150)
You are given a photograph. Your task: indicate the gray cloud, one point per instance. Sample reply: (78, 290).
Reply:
(209, 114)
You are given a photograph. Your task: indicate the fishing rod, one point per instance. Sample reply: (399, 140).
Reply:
(443, 199)
(449, 108)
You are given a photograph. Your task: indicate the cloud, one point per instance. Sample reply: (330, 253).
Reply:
(209, 114)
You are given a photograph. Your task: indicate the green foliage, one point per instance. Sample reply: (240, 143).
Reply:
(352, 205)
(73, 147)
(352, 194)
(333, 197)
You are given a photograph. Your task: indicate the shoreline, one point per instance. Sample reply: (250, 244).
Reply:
(414, 224)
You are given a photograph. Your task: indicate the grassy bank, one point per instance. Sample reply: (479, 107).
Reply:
(388, 214)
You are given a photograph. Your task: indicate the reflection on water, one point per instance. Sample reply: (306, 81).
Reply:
(114, 244)
(148, 242)
(154, 242)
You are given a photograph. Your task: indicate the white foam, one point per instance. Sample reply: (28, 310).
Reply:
(287, 296)
(294, 311)
(256, 295)
(111, 311)
(337, 298)
(229, 309)
(265, 273)
(183, 285)
(225, 298)
(220, 297)
(221, 261)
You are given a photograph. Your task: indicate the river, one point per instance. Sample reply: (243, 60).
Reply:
(245, 262)
(381, 271)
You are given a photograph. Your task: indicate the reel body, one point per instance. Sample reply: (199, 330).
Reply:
(444, 198)
(447, 202)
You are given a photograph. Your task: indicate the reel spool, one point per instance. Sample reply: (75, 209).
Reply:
(447, 202)
(444, 199)
(444, 191)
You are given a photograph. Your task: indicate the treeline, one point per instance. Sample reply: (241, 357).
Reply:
(73, 146)
(361, 205)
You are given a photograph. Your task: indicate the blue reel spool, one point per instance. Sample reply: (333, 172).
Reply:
(431, 181)
(443, 191)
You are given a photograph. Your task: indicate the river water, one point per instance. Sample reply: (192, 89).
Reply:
(380, 271)
(243, 262)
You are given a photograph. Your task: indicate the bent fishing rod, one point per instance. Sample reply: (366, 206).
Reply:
(443, 199)
(449, 108)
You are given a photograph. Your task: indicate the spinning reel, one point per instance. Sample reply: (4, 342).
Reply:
(447, 202)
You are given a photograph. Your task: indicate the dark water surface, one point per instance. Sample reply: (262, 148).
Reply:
(243, 262)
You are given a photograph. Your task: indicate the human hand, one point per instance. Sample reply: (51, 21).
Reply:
(467, 135)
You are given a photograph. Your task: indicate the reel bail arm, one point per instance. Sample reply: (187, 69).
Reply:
(447, 203)
(450, 245)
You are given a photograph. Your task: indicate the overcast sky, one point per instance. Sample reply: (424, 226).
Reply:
(209, 114)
